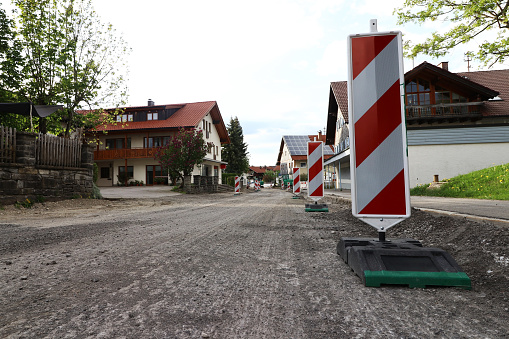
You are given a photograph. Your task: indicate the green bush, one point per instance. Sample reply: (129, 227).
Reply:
(229, 178)
(96, 192)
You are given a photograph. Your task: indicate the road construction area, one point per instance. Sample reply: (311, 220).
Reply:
(223, 266)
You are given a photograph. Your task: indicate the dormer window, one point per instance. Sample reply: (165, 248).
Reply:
(124, 117)
(152, 116)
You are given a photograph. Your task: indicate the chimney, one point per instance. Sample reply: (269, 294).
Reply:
(444, 65)
(150, 102)
(319, 135)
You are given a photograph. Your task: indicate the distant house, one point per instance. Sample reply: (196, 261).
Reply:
(128, 147)
(293, 152)
(456, 123)
(259, 171)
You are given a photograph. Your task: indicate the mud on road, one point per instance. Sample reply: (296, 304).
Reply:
(224, 266)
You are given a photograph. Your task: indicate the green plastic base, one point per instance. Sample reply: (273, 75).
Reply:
(295, 197)
(417, 279)
(317, 210)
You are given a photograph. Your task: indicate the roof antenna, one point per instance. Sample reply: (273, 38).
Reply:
(467, 56)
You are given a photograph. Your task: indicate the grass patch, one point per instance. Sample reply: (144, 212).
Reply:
(488, 183)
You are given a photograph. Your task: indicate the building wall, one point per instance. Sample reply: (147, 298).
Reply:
(451, 160)
(286, 161)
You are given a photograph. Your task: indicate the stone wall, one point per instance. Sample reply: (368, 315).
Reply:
(25, 180)
(202, 184)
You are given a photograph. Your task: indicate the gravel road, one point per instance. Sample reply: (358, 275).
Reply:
(223, 266)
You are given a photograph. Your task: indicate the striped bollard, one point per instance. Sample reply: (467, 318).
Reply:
(315, 176)
(378, 160)
(296, 182)
(288, 186)
(237, 185)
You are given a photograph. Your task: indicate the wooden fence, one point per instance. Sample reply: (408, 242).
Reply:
(56, 151)
(7, 144)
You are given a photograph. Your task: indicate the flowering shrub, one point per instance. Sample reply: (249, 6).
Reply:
(184, 150)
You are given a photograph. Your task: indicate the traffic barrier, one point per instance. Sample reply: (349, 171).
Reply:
(296, 181)
(237, 185)
(379, 168)
(315, 176)
(380, 192)
(315, 170)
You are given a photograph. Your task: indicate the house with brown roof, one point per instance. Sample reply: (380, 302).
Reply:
(456, 123)
(293, 153)
(259, 171)
(128, 146)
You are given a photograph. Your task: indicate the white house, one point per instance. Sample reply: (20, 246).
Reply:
(128, 146)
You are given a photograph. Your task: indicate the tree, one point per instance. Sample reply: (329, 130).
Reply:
(269, 176)
(62, 54)
(184, 150)
(470, 20)
(235, 153)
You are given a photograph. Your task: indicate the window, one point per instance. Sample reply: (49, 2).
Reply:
(152, 116)
(105, 172)
(302, 164)
(118, 143)
(130, 171)
(129, 117)
(155, 141)
(418, 92)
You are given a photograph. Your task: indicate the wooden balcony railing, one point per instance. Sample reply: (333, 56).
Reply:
(465, 110)
(124, 153)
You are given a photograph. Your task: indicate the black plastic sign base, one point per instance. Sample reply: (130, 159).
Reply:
(401, 262)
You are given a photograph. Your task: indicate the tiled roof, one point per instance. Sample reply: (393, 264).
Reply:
(187, 115)
(263, 169)
(497, 80)
(340, 91)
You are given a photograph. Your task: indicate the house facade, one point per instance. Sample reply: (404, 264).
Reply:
(293, 153)
(127, 147)
(456, 123)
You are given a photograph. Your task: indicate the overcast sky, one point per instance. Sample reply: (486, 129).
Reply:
(268, 62)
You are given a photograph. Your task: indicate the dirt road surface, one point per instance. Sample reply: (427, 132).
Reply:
(223, 266)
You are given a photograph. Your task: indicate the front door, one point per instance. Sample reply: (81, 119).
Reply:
(153, 172)
(150, 175)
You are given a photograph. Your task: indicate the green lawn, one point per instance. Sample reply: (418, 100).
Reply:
(488, 183)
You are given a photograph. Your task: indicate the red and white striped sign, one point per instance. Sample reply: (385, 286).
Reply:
(237, 185)
(378, 160)
(296, 180)
(315, 170)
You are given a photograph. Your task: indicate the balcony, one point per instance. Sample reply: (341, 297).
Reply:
(124, 153)
(444, 112)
